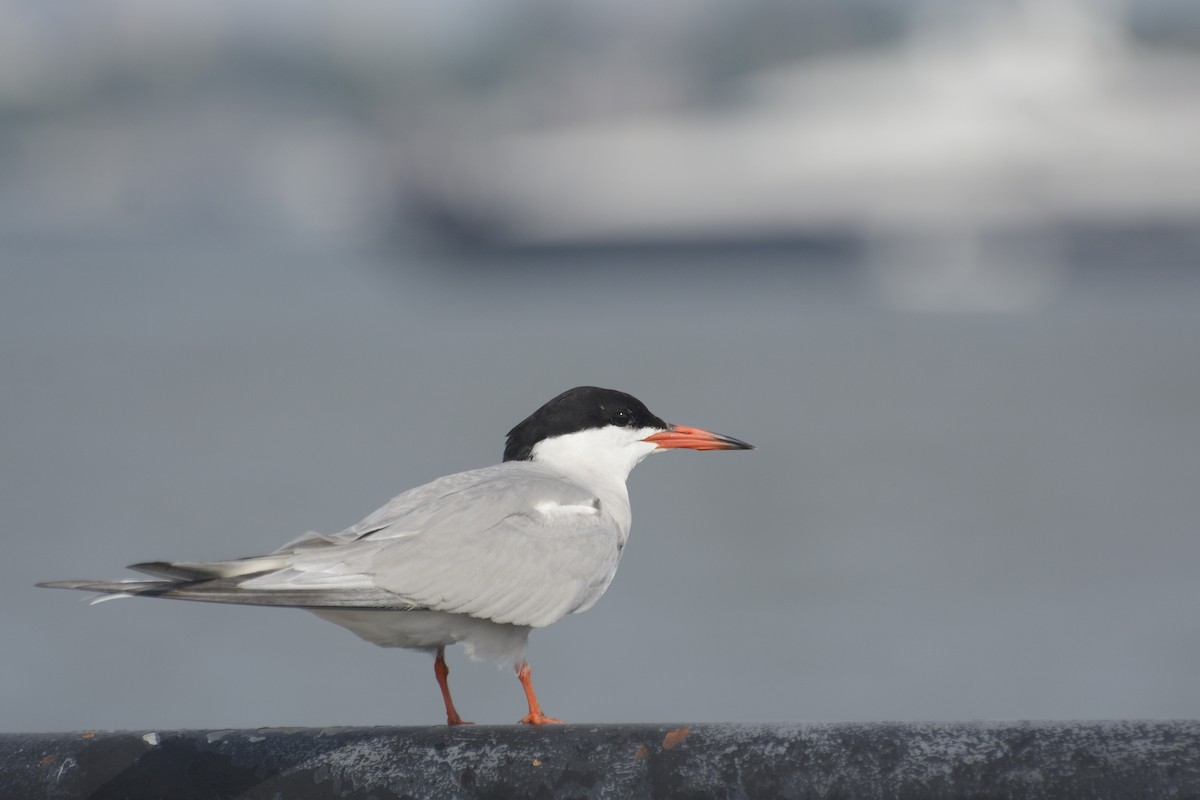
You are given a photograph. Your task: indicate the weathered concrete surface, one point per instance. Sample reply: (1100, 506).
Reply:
(884, 760)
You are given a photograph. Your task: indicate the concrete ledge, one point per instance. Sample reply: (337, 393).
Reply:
(879, 760)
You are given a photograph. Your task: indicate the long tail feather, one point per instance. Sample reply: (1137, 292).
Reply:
(224, 591)
(130, 587)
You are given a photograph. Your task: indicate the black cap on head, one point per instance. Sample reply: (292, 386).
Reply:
(574, 410)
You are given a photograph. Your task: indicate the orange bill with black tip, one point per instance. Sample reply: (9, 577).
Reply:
(696, 439)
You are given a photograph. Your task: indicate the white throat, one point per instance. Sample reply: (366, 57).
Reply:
(599, 456)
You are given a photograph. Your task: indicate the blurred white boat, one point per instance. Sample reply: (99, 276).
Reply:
(1020, 117)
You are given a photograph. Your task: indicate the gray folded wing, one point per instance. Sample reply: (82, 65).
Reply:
(513, 543)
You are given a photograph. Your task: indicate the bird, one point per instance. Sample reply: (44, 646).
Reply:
(479, 558)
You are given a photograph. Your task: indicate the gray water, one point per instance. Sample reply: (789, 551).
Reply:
(951, 515)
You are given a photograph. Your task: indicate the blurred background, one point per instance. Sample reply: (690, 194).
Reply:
(263, 266)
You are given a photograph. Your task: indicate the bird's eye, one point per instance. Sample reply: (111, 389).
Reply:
(621, 418)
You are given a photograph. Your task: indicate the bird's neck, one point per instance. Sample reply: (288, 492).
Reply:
(601, 457)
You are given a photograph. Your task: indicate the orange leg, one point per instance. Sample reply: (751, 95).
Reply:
(442, 671)
(535, 715)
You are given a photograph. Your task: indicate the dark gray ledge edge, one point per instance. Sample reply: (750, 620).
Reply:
(1144, 759)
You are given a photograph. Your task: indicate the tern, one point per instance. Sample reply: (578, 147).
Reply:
(478, 558)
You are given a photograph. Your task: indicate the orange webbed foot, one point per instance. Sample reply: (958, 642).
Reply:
(540, 719)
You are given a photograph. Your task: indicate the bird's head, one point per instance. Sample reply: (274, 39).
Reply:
(603, 431)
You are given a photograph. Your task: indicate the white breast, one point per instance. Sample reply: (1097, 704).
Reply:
(428, 630)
